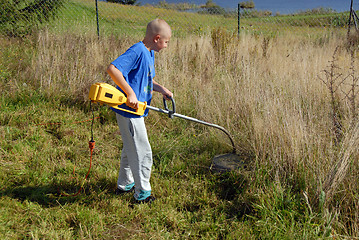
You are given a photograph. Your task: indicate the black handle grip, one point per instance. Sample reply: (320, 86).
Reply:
(170, 112)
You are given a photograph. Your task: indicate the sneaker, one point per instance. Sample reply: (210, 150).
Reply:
(148, 200)
(119, 191)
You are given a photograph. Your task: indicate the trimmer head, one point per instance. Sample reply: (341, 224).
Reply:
(227, 162)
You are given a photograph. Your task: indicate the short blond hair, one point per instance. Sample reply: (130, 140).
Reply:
(158, 26)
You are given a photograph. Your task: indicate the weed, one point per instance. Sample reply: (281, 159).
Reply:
(221, 39)
(345, 136)
(333, 82)
(265, 46)
(352, 94)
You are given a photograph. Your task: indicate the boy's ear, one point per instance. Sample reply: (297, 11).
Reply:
(156, 38)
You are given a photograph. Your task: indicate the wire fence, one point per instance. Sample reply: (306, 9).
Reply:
(19, 18)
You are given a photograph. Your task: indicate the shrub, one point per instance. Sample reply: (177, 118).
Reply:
(18, 18)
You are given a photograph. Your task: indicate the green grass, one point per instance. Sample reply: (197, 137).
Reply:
(312, 20)
(116, 19)
(37, 163)
(38, 156)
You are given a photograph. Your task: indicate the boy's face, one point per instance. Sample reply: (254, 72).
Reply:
(161, 41)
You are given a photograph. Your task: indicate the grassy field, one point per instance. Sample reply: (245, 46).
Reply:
(80, 16)
(126, 20)
(285, 98)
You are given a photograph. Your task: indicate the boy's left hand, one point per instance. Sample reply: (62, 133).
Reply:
(167, 94)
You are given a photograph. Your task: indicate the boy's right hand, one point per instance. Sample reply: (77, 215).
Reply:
(132, 101)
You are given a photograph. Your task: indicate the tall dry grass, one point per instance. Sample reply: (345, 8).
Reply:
(268, 92)
(70, 63)
(265, 90)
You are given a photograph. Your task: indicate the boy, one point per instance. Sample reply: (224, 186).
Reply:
(133, 74)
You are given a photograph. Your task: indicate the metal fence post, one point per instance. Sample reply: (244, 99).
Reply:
(98, 26)
(239, 18)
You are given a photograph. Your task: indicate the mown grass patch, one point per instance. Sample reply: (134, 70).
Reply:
(40, 150)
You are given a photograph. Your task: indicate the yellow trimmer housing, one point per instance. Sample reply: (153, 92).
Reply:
(105, 93)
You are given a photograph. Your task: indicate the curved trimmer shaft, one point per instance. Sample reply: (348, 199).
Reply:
(194, 120)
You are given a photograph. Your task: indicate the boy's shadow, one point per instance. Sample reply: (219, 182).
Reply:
(54, 194)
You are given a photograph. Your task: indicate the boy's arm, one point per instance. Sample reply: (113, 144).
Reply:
(118, 78)
(159, 88)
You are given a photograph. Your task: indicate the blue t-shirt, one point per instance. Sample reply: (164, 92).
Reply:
(137, 65)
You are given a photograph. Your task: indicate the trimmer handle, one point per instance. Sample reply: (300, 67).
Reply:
(170, 112)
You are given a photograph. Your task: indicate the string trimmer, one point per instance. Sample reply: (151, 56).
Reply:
(104, 93)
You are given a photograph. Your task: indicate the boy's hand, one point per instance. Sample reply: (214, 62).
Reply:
(132, 101)
(120, 81)
(167, 94)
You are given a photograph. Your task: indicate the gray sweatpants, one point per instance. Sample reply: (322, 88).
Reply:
(136, 157)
